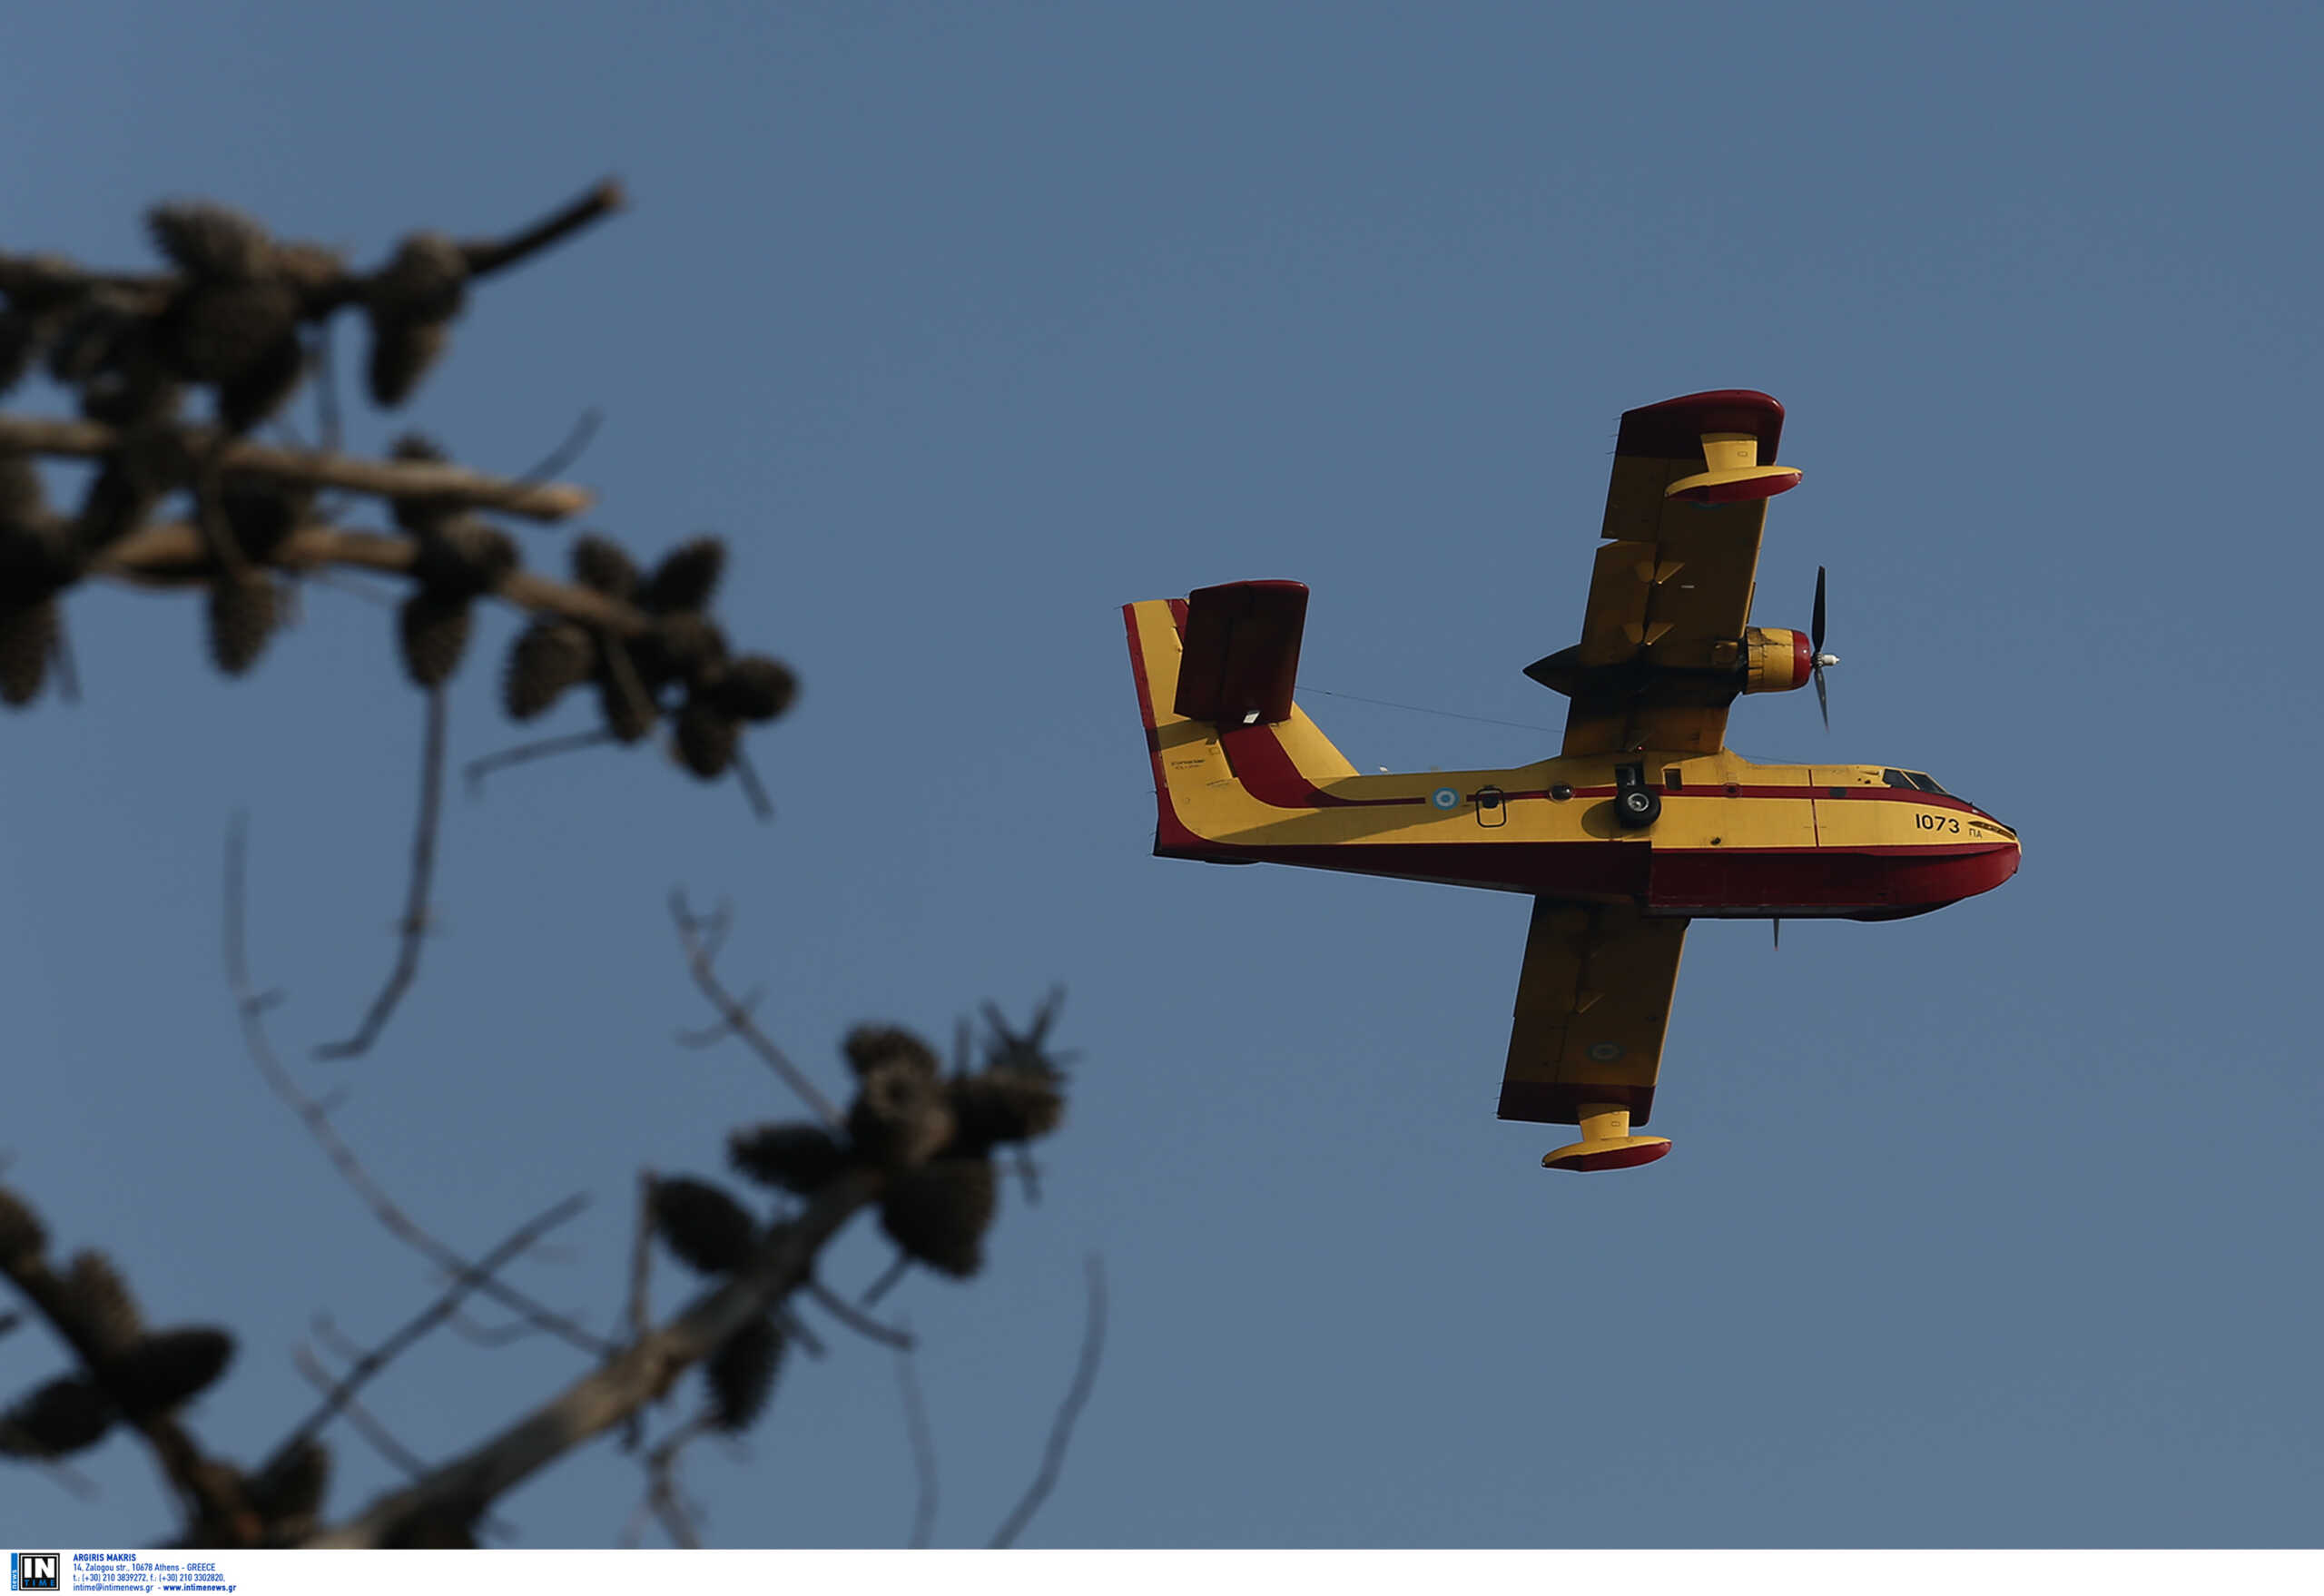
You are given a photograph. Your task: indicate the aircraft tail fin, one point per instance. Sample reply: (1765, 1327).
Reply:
(1215, 674)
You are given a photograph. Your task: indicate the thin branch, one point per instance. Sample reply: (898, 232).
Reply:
(855, 1319)
(1085, 1379)
(367, 1364)
(415, 911)
(475, 770)
(372, 1431)
(699, 954)
(710, 1036)
(487, 256)
(72, 439)
(662, 1500)
(251, 1006)
(923, 1450)
(886, 1283)
(576, 443)
(746, 777)
(636, 1375)
(355, 587)
(60, 654)
(489, 1335)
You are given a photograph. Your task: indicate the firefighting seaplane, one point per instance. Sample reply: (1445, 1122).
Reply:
(1643, 821)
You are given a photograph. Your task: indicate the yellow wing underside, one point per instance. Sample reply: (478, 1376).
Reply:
(1673, 589)
(1593, 998)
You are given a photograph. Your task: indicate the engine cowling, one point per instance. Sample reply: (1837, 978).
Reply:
(1777, 659)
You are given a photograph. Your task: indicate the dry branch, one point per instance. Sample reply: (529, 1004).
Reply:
(239, 458)
(368, 1363)
(1085, 1380)
(460, 1489)
(251, 1006)
(701, 937)
(414, 925)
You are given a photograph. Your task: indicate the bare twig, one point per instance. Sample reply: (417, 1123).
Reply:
(231, 457)
(364, 1364)
(637, 1374)
(700, 952)
(855, 1319)
(487, 256)
(68, 674)
(475, 770)
(251, 1006)
(746, 777)
(710, 1036)
(1085, 1379)
(886, 1283)
(662, 1499)
(372, 1431)
(414, 926)
(641, 1267)
(354, 587)
(476, 1335)
(576, 442)
(923, 1450)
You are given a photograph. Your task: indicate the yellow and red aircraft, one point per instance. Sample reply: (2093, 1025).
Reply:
(1643, 821)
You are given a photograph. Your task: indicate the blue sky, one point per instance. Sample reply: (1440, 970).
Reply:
(966, 325)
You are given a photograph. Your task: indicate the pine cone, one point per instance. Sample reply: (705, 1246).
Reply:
(99, 1300)
(741, 1373)
(401, 352)
(168, 1368)
(20, 341)
(702, 1225)
(242, 613)
(220, 331)
(687, 647)
(206, 240)
(433, 627)
(23, 502)
(63, 1417)
(260, 388)
(706, 739)
(28, 635)
(1004, 1106)
(547, 657)
(940, 1212)
(464, 555)
(411, 302)
(293, 1487)
(795, 1157)
(868, 1047)
(629, 711)
(22, 1235)
(603, 565)
(687, 576)
(261, 516)
(755, 687)
(901, 1116)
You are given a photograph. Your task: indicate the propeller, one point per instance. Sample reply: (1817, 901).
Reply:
(1815, 645)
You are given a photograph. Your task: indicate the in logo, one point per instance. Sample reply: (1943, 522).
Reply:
(35, 1571)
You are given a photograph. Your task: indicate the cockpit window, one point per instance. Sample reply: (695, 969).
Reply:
(1927, 783)
(1895, 778)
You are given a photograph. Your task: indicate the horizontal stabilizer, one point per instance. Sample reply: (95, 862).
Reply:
(1241, 652)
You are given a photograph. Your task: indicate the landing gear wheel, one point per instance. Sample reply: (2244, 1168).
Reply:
(1636, 807)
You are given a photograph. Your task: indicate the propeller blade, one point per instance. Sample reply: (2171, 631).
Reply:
(1823, 702)
(1816, 626)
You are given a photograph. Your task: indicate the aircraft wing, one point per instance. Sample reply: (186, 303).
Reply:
(1670, 594)
(1592, 1001)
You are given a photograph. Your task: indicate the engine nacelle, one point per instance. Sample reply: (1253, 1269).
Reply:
(1777, 659)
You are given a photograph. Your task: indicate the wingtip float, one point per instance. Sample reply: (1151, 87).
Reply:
(1643, 821)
